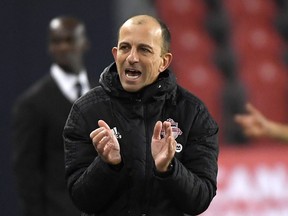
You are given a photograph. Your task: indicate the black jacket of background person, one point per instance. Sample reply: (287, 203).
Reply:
(38, 120)
(136, 188)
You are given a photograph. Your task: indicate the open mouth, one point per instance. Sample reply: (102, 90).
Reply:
(132, 73)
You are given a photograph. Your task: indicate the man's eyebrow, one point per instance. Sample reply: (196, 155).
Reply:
(123, 42)
(145, 45)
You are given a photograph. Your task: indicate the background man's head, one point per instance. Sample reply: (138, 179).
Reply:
(67, 43)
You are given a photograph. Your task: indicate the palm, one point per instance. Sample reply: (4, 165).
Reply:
(163, 149)
(258, 127)
(159, 148)
(113, 150)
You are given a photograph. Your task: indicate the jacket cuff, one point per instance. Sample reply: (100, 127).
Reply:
(167, 173)
(116, 167)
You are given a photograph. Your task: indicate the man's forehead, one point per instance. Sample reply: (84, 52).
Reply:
(139, 34)
(59, 24)
(145, 28)
(62, 31)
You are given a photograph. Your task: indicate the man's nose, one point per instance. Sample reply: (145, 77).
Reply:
(133, 56)
(64, 46)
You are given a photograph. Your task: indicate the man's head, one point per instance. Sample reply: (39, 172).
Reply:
(142, 53)
(67, 43)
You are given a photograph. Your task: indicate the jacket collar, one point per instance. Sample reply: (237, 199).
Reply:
(162, 88)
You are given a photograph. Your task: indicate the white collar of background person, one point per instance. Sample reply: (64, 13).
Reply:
(72, 86)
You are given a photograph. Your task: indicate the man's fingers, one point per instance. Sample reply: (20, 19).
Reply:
(95, 132)
(238, 118)
(251, 109)
(241, 119)
(172, 146)
(157, 130)
(100, 137)
(167, 128)
(102, 123)
(246, 118)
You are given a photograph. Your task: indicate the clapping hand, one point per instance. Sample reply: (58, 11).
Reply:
(106, 143)
(163, 148)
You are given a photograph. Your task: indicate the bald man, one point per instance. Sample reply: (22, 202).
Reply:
(139, 144)
(39, 117)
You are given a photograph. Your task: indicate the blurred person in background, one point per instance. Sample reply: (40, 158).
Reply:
(38, 119)
(139, 144)
(256, 125)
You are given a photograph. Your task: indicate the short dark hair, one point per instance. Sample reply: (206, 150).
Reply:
(166, 36)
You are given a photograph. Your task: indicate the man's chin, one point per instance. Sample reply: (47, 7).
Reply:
(131, 88)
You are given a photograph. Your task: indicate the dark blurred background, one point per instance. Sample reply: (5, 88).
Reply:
(227, 52)
(24, 59)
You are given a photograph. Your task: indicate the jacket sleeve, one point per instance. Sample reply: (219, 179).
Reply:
(27, 137)
(93, 184)
(193, 180)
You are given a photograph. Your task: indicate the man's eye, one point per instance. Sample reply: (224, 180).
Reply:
(123, 47)
(145, 49)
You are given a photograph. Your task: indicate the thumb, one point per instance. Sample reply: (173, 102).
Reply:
(102, 123)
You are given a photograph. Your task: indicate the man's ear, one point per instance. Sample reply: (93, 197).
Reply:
(166, 61)
(114, 53)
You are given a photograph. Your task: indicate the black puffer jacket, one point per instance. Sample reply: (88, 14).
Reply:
(136, 188)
